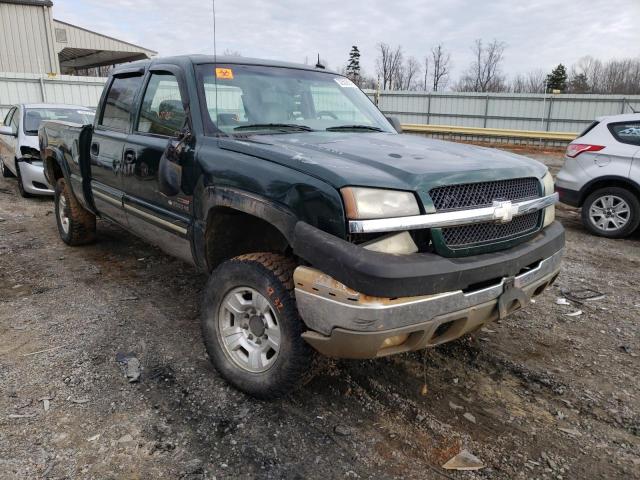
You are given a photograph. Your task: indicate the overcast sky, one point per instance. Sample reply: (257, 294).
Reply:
(538, 33)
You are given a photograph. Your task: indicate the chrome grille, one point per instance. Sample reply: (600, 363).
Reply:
(478, 195)
(482, 233)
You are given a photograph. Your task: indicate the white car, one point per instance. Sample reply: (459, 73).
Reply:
(601, 174)
(19, 149)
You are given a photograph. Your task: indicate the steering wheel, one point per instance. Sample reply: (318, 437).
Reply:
(327, 114)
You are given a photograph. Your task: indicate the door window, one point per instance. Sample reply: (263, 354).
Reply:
(162, 111)
(626, 132)
(120, 103)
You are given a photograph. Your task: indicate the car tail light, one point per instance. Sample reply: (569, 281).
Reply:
(575, 149)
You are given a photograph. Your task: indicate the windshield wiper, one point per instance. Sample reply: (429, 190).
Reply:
(370, 128)
(275, 126)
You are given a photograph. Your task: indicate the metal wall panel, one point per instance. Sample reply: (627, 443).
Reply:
(33, 88)
(559, 113)
(25, 41)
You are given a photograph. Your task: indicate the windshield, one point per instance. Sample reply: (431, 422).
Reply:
(33, 117)
(257, 99)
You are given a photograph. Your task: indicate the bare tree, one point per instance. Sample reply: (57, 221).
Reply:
(484, 73)
(426, 73)
(616, 76)
(406, 75)
(388, 63)
(441, 67)
(531, 82)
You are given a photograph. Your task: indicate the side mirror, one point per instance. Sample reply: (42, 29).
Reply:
(7, 131)
(395, 123)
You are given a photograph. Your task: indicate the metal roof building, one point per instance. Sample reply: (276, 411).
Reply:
(32, 41)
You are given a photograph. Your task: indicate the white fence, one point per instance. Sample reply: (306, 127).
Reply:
(34, 88)
(551, 112)
(556, 113)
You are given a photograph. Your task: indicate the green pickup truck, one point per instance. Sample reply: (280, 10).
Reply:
(319, 224)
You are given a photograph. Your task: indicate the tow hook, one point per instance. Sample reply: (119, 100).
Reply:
(511, 295)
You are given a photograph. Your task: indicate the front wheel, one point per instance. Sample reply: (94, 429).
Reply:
(251, 327)
(76, 225)
(612, 212)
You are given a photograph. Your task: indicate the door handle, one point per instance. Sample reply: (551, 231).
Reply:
(95, 148)
(129, 156)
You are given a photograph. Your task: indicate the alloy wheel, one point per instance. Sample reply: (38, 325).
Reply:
(609, 213)
(249, 330)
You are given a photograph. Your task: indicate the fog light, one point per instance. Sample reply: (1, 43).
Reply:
(395, 340)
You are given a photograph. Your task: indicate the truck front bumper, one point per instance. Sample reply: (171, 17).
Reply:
(362, 304)
(361, 326)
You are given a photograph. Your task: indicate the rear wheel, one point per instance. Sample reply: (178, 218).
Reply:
(76, 225)
(5, 171)
(612, 212)
(21, 189)
(251, 327)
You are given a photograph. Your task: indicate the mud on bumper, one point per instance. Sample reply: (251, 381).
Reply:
(344, 323)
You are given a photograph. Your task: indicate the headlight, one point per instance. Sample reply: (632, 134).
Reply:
(368, 203)
(549, 212)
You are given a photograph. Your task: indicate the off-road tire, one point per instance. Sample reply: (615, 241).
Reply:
(271, 275)
(6, 173)
(23, 192)
(629, 197)
(82, 223)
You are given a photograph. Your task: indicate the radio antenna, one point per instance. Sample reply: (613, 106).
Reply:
(215, 59)
(215, 53)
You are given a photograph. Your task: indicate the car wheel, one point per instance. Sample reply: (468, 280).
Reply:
(6, 173)
(21, 189)
(612, 212)
(251, 327)
(76, 225)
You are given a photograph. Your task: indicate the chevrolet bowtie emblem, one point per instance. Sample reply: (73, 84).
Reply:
(503, 211)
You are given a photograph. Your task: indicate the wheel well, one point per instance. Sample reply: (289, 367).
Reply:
(54, 172)
(609, 182)
(231, 233)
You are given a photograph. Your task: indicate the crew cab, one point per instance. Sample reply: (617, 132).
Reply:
(320, 225)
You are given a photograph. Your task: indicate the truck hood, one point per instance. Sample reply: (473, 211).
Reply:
(403, 162)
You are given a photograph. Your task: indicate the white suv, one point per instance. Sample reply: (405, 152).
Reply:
(601, 174)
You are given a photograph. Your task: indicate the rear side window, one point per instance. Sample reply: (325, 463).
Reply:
(162, 111)
(591, 126)
(117, 110)
(626, 132)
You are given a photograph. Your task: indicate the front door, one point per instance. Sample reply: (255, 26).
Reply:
(113, 125)
(161, 220)
(8, 142)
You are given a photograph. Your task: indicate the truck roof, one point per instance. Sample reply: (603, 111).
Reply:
(224, 59)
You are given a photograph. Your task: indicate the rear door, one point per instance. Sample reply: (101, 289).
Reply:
(113, 125)
(160, 118)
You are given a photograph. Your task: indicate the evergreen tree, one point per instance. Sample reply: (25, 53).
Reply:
(557, 79)
(353, 67)
(579, 83)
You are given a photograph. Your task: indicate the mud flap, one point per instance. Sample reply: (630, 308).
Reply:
(511, 295)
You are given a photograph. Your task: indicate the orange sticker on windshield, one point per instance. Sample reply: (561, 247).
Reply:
(224, 73)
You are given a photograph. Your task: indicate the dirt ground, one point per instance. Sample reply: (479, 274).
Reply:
(538, 395)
